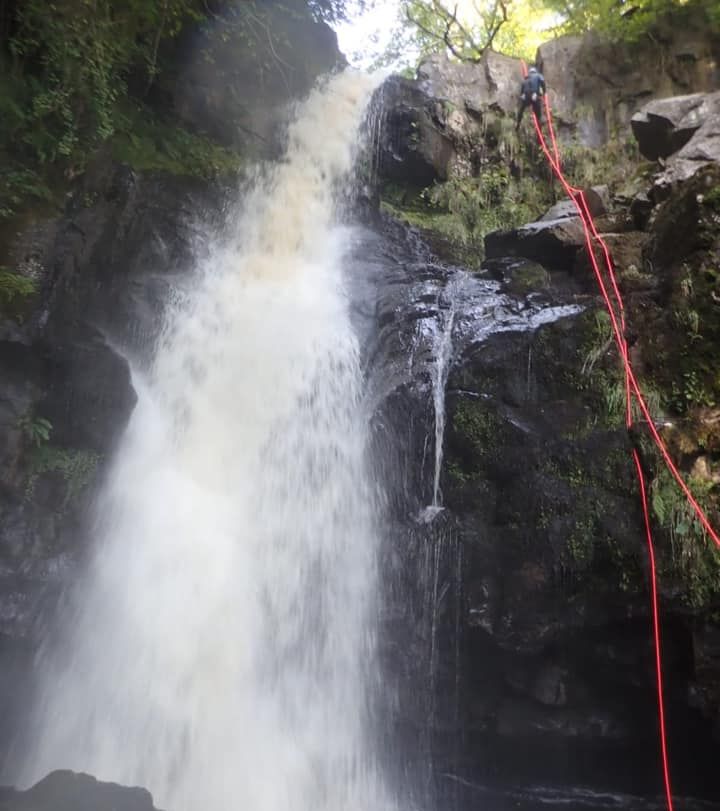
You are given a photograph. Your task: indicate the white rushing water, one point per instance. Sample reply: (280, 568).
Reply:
(220, 648)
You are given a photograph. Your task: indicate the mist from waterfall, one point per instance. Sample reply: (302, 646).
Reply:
(220, 649)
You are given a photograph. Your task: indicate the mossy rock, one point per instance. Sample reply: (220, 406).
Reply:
(17, 292)
(528, 277)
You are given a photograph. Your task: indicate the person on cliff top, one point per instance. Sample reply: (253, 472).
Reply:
(531, 92)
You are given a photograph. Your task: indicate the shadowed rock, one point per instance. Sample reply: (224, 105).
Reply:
(554, 243)
(664, 126)
(68, 791)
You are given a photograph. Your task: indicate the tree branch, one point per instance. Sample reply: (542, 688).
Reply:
(455, 30)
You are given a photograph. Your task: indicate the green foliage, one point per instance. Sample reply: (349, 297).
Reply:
(74, 75)
(19, 183)
(712, 199)
(15, 290)
(465, 31)
(602, 374)
(76, 469)
(608, 165)
(76, 56)
(695, 559)
(463, 210)
(687, 368)
(149, 144)
(37, 430)
(518, 27)
(621, 21)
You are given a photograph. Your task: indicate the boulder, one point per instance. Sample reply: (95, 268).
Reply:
(596, 86)
(490, 84)
(68, 791)
(686, 131)
(553, 243)
(596, 197)
(664, 126)
(415, 149)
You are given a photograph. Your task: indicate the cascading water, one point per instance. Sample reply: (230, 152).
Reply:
(443, 347)
(220, 648)
(442, 369)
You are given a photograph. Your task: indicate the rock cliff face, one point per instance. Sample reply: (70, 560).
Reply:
(533, 580)
(516, 643)
(444, 122)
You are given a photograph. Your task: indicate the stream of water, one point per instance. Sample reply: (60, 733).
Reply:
(220, 649)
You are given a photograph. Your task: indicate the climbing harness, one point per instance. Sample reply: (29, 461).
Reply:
(632, 391)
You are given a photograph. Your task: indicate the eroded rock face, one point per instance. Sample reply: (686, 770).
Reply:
(417, 148)
(532, 581)
(520, 622)
(594, 87)
(490, 84)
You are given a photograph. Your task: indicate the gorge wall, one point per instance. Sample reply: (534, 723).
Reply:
(516, 640)
(541, 582)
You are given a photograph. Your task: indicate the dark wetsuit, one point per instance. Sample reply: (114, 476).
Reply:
(531, 93)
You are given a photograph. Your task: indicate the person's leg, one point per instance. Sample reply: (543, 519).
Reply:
(537, 108)
(521, 110)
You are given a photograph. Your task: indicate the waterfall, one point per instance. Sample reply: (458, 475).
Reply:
(220, 648)
(443, 356)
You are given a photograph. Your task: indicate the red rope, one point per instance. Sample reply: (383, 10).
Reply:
(656, 632)
(632, 386)
(631, 389)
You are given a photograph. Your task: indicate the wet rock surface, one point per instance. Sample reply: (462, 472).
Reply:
(516, 647)
(527, 612)
(68, 791)
(555, 242)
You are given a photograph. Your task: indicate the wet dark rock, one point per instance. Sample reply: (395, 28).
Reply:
(68, 791)
(543, 657)
(687, 222)
(640, 209)
(416, 149)
(242, 96)
(553, 243)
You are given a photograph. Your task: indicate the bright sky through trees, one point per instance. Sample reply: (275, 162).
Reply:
(366, 35)
(397, 33)
(383, 33)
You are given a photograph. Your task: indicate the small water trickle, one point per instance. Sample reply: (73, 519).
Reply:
(443, 358)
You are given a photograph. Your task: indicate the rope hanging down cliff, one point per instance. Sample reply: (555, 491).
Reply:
(632, 390)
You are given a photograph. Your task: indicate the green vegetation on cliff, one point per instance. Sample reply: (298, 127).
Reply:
(78, 74)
